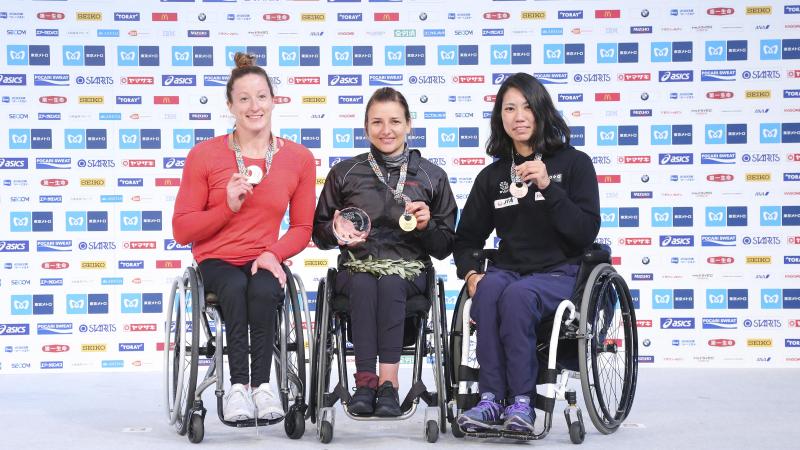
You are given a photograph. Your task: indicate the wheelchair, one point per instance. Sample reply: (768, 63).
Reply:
(592, 337)
(425, 335)
(194, 329)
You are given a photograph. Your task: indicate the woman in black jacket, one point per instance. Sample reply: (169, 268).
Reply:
(412, 212)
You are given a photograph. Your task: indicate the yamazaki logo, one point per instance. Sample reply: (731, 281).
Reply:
(636, 241)
(644, 323)
(140, 245)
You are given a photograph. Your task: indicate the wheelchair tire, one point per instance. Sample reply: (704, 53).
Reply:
(292, 331)
(196, 429)
(609, 339)
(431, 431)
(323, 350)
(326, 432)
(576, 433)
(442, 349)
(294, 423)
(456, 430)
(182, 353)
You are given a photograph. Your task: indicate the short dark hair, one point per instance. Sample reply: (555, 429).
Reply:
(245, 65)
(551, 131)
(387, 94)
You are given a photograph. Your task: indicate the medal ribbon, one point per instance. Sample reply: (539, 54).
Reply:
(267, 158)
(514, 177)
(398, 192)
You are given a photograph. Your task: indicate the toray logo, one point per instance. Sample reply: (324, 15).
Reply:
(358, 55)
(564, 54)
(510, 54)
(735, 50)
(457, 55)
(612, 52)
(671, 52)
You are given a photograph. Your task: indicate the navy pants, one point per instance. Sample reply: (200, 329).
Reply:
(377, 314)
(507, 309)
(245, 300)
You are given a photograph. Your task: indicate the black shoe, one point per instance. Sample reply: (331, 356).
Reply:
(387, 402)
(362, 402)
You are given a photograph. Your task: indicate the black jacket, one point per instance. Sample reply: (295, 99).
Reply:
(353, 183)
(535, 236)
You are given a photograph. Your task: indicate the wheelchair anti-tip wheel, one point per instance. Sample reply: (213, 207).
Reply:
(181, 352)
(608, 348)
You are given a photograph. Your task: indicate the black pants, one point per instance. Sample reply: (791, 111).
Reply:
(245, 300)
(377, 314)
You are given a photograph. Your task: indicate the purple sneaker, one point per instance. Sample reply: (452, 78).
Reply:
(485, 414)
(520, 415)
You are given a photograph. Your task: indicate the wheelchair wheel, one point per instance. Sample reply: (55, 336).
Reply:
(181, 348)
(322, 358)
(459, 336)
(289, 326)
(441, 349)
(608, 348)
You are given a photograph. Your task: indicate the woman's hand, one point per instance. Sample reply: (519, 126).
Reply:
(346, 233)
(421, 211)
(237, 188)
(268, 261)
(534, 171)
(473, 278)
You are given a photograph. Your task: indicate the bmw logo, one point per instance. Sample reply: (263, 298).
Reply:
(645, 13)
(203, 100)
(646, 342)
(645, 96)
(423, 99)
(201, 17)
(645, 178)
(423, 16)
(645, 260)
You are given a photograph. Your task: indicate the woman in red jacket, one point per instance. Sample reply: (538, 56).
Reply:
(233, 196)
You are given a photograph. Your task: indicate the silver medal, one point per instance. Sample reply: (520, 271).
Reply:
(518, 189)
(254, 174)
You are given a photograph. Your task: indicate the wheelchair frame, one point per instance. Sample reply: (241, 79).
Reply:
(577, 320)
(331, 326)
(184, 395)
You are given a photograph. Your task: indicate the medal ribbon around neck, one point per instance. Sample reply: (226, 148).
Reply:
(407, 221)
(253, 178)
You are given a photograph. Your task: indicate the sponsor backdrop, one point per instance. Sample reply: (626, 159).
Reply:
(689, 112)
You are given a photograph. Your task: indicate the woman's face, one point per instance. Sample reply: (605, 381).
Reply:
(387, 127)
(251, 103)
(518, 120)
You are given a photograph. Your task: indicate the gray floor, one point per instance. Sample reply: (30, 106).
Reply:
(674, 408)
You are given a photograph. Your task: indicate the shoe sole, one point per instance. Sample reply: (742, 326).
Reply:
(470, 424)
(517, 424)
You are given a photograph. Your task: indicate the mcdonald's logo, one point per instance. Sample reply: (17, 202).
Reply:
(387, 17)
(607, 14)
(168, 182)
(606, 97)
(609, 179)
(168, 263)
(164, 17)
(166, 100)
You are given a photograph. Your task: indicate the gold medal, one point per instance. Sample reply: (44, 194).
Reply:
(407, 222)
(518, 189)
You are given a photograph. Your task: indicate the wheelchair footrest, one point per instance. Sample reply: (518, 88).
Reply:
(499, 432)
